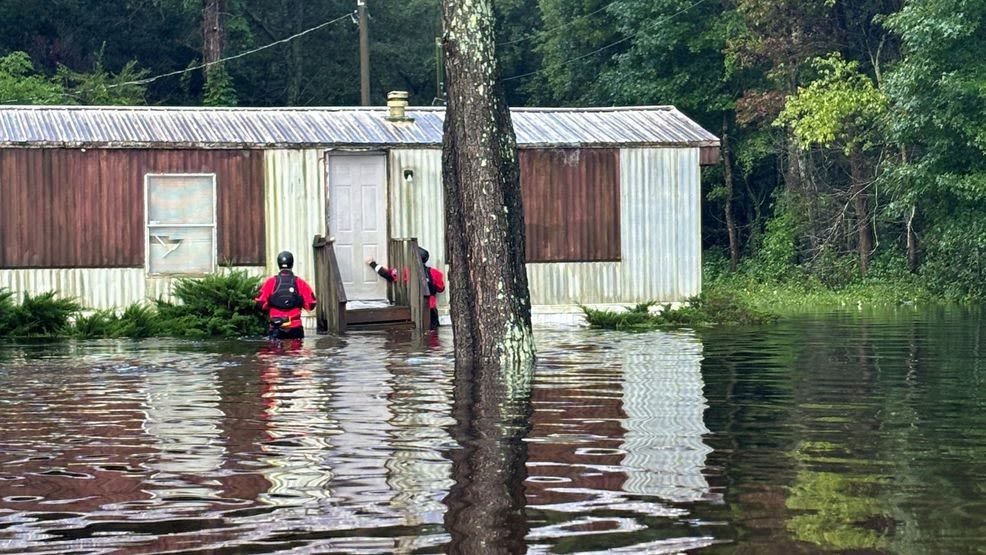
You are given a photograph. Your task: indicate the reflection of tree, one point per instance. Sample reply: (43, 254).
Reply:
(485, 506)
(838, 510)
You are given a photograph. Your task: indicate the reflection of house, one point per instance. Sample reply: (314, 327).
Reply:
(632, 425)
(664, 404)
(109, 204)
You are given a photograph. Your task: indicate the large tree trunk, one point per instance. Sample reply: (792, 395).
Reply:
(295, 16)
(486, 503)
(484, 218)
(213, 34)
(727, 178)
(864, 230)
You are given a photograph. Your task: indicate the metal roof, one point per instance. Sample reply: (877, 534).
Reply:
(195, 127)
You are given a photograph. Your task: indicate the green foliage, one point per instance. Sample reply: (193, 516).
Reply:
(219, 89)
(840, 107)
(709, 308)
(137, 321)
(43, 315)
(21, 84)
(955, 265)
(101, 87)
(213, 306)
(778, 254)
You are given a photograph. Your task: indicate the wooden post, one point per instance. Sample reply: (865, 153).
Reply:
(330, 313)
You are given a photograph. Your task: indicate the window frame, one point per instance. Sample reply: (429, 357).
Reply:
(549, 202)
(148, 177)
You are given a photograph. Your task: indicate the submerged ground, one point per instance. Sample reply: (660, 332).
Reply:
(820, 433)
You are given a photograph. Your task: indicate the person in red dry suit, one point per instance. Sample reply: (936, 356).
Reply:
(436, 282)
(282, 296)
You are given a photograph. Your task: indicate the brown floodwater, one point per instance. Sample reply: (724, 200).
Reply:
(862, 433)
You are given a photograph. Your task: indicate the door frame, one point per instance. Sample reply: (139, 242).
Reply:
(327, 172)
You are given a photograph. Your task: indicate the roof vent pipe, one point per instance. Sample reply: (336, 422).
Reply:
(396, 106)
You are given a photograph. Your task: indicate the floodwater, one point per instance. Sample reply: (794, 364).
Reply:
(822, 433)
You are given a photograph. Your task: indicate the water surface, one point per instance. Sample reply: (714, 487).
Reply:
(829, 433)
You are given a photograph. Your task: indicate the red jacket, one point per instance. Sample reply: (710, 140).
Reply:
(438, 281)
(292, 314)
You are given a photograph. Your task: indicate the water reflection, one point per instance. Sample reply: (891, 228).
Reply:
(617, 445)
(842, 433)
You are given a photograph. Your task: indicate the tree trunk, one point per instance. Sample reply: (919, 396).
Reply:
(213, 34)
(798, 183)
(484, 218)
(912, 242)
(296, 22)
(864, 230)
(486, 503)
(727, 177)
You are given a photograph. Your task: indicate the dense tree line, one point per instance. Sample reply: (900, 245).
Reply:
(854, 131)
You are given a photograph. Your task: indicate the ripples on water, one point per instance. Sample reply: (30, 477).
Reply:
(821, 434)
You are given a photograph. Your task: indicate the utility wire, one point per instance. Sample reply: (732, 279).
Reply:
(600, 49)
(557, 27)
(147, 80)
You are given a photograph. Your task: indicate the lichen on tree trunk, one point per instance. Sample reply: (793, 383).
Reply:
(484, 221)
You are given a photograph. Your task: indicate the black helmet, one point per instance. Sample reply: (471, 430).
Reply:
(285, 260)
(423, 254)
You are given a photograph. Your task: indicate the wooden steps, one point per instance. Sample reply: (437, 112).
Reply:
(379, 317)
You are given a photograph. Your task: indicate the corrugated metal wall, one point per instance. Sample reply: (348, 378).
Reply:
(78, 208)
(662, 224)
(659, 235)
(294, 206)
(97, 288)
(571, 204)
(416, 206)
(660, 229)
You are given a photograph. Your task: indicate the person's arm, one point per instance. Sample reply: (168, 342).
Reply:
(307, 295)
(382, 271)
(265, 290)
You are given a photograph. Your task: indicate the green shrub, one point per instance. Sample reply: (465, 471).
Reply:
(137, 321)
(41, 316)
(6, 311)
(213, 306)
(703, 310)
(95, 325)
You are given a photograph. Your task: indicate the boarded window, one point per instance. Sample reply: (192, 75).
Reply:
(571, 204)
(181, 223)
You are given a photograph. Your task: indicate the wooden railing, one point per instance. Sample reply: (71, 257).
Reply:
(330, 313)
(411, 286)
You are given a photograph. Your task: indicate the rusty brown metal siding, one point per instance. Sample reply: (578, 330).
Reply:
(75, 208)
(708, 155)
(571, 204)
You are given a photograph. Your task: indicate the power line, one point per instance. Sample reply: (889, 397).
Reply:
(553, 29)
(147, 80)
(600, 49)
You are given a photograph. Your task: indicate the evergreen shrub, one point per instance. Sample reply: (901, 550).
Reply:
(43, 315)
(218, 305)
(706, 309)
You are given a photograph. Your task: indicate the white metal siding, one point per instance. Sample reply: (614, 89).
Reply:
(416, 207)
(95, 288)
(659, 228)
(294, 206)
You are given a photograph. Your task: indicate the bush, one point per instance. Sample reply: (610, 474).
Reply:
(6, 311)
(704, 310)
(214, 306)
(137, 321)
(41, 316)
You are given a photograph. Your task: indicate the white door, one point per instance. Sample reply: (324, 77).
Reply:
(358, 220)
